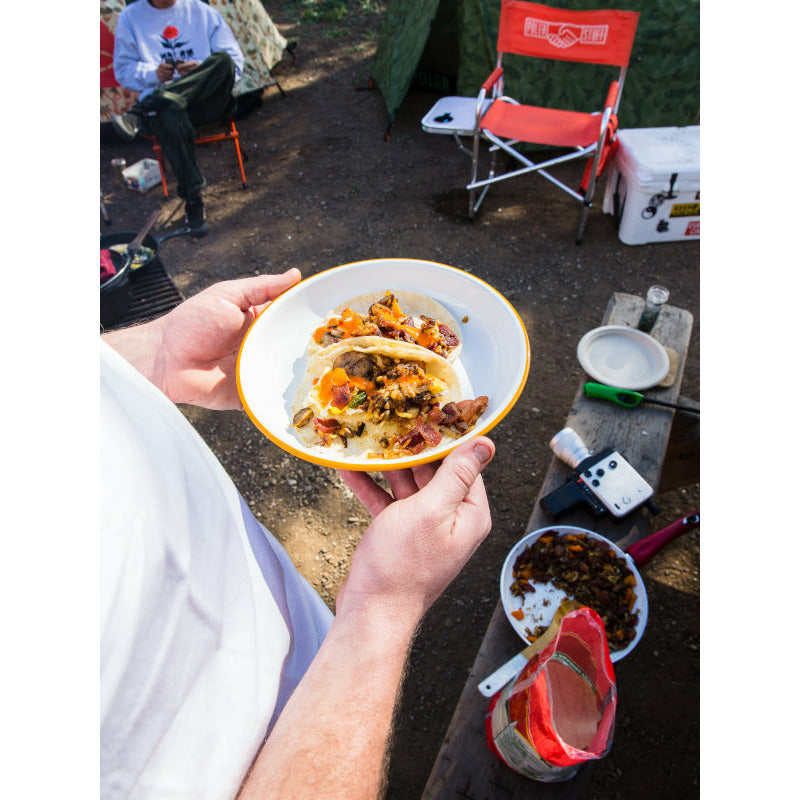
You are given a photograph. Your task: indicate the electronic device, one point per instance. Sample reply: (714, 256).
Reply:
(605, 481)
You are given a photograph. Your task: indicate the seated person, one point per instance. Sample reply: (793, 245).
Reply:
(183, 60)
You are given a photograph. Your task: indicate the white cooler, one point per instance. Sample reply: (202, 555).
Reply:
(653, 185)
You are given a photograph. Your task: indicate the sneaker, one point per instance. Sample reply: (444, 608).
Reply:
(196, 218)
(127, 125)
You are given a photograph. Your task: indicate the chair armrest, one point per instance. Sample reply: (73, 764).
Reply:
(488, 84)
(609, 110)
(612, 96)
(596, 165)
(497, 73)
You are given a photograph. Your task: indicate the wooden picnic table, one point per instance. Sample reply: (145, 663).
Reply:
(465, 768)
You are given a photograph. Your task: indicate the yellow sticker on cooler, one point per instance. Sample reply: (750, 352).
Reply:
(685, 210)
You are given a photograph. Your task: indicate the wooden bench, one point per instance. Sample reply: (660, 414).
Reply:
(465, 768)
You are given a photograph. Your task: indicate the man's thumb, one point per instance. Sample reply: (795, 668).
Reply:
(260, 290)
(460, 469)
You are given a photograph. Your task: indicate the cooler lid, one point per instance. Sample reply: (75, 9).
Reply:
(653, 154)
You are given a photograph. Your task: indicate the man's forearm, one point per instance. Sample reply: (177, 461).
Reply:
(331, 740)
(139, 346)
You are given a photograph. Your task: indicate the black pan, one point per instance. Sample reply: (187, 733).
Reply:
(115, 293)
(128, 257)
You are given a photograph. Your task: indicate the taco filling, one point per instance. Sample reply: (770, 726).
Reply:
(387, 405)
(387, 319)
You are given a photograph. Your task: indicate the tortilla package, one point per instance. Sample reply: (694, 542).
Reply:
(406, 317)
(559, 711)
(369, 396)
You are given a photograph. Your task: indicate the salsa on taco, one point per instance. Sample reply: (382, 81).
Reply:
(401, 316)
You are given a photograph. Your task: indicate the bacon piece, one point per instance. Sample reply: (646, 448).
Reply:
(428, 432)
(412, 441)
(470, 410)
(326, 425)
(435, 416)
(450, 412)
(340, 395)
(451, 340)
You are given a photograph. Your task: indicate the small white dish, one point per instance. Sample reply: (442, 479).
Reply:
(494, 361)
(623, 357)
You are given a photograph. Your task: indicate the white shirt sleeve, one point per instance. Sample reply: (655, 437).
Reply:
(222, 39)
(129, 69)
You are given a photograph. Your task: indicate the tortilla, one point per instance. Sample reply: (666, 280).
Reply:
(412, 319)
(376, 397)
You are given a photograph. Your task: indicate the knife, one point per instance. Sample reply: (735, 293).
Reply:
(500, 677)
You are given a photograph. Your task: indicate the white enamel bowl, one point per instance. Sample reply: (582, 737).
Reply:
(540, 606)
(494, 361)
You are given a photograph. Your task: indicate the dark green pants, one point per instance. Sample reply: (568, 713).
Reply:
(172, 113)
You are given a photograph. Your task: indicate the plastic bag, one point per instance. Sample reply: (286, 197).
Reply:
(560, 709)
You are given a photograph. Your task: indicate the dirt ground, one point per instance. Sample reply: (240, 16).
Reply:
(325, 188)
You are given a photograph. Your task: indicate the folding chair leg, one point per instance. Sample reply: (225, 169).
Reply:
(241, 162)
(587, 200)
(582, 223)
(160, 159)
(280, 88)
(474, 204)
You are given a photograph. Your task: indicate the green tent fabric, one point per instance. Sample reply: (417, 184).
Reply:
(402, 39)
(662, 86)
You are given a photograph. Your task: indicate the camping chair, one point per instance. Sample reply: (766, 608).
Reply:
(229, 134)
(538, 31)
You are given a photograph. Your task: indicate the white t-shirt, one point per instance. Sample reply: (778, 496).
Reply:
(206, 625)
(145, 36)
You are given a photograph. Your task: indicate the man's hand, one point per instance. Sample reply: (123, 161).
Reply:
(421, 536)
(185, 67)
(190, 353)
(165, 72)
(417, 543)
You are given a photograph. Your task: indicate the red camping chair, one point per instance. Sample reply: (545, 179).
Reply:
(229, 134)
(530, 29)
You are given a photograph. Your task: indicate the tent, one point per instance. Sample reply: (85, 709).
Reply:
(448, 46)
(261, 43)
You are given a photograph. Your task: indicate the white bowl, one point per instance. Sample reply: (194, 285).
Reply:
(540, 606)
(494, 361)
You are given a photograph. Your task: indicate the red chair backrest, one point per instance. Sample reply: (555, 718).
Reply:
(107, 77)
(595, 37)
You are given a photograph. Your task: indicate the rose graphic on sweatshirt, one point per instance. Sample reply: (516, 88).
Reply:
(169, 41)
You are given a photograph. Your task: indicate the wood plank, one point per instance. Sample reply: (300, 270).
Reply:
(465, 769)
(682, 461)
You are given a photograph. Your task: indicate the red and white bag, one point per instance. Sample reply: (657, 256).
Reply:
(560, 709)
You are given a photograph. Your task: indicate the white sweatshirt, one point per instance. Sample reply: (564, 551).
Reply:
(206, 625)
(188, 31)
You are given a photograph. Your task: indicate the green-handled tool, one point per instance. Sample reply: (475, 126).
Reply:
(628, 398)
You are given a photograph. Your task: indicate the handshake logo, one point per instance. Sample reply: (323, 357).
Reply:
(563, 36)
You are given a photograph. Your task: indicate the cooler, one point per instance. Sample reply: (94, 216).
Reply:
(653, 185)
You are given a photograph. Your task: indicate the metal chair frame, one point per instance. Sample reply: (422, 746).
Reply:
(230, 133)
(493, 89)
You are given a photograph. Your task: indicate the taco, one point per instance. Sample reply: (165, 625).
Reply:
(401, 316)
(372, 397)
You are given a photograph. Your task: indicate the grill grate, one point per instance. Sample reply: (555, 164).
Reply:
(152, 294)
